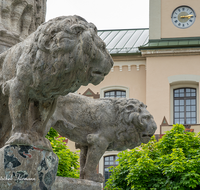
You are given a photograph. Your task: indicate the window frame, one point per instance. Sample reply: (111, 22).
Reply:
(184, 99)
(112, 88)
(115, 93)
(183, 84)
(107, 166)
(101, 161)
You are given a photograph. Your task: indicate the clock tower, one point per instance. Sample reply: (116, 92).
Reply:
(172, 62)
(174, 19)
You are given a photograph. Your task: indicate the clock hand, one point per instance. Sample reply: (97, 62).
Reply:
(187, 16)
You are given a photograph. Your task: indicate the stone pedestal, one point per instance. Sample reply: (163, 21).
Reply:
(64, 183)
(27, 168)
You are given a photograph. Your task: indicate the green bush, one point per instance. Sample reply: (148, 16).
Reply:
(173, 163)
(68, 165)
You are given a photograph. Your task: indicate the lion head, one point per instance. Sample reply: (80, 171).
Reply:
(135, 124)
(70, 44)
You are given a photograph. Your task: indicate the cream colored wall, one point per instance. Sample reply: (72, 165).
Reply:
(168, 30)
(165, 129)
(196, 128)
(134, 80)
(154, 19)
(159, 69)
(71, 146)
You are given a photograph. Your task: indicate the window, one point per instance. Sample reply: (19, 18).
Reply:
(185, 110)
(109, 161)
(115, 93)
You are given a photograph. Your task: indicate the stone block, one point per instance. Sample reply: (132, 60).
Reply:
(25, 167)
(64, 183)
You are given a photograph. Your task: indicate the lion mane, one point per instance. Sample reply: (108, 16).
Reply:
(46, 33)
(127, 111)
(47, 38)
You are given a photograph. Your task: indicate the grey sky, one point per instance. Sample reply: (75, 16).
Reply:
(105, 14)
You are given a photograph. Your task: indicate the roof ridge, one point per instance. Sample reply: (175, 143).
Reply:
(124, 29)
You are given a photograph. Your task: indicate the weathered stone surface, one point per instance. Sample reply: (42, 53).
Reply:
(27, 168)
(63, 54)
(18, 19)
(100, 125)
(63, 183)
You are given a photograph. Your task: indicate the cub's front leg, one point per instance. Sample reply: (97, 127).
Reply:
(97, 147)
(83, 156)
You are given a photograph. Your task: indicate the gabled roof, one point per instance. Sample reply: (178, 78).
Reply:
(124, 40)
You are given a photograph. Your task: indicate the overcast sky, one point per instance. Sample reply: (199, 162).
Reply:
(105, 14)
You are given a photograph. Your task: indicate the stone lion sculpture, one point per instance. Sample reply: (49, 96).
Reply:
(60, 56)
(100, 125)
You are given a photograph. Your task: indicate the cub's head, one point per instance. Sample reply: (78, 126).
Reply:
(136, 124)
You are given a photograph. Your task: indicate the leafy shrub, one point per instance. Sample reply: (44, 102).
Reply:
(173, 163)
(68, 165)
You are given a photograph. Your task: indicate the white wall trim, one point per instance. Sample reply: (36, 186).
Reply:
(183, 78)
(109, 88)
(120, 64)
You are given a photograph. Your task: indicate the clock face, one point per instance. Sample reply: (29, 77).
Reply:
(183, 17)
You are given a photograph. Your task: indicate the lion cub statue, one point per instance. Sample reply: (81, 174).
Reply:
(60, 56)
(100, 125)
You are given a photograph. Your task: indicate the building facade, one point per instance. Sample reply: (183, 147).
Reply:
(159, 66)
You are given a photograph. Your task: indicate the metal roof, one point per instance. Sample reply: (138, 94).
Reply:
(124, 40)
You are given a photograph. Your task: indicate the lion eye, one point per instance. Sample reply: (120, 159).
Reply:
(92, 37)
(103, 46)
(95, 29)
(146, 117)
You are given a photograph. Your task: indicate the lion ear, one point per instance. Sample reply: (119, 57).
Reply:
(77, 29)
(130, 107)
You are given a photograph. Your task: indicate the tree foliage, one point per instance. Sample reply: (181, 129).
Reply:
(171, 163)
(68, 165)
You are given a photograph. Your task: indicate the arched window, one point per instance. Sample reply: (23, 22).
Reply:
(185, 106)
(115, 93)
(109, 161)
(184, 89)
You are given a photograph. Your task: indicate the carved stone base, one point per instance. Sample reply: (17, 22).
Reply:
(27, 168)
(30, 138)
